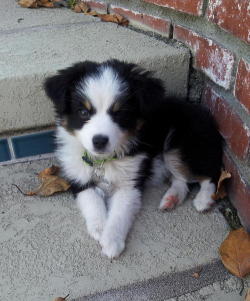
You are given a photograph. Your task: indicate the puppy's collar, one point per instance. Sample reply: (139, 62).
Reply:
(96, 162)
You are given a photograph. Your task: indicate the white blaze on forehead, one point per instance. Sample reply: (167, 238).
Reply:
(103, 88)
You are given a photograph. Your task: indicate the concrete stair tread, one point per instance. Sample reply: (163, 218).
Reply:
(51, 39)
(45, 250)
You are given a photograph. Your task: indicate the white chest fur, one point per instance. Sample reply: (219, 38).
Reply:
(120, 173)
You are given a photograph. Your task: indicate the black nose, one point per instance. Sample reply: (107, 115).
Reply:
(100, 141)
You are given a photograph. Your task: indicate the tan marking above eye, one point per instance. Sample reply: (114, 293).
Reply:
(87, 104)
(116, 107)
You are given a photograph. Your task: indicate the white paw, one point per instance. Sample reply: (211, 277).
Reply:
(201, 205)
(112, 247)
(168, 202)
(95, 229)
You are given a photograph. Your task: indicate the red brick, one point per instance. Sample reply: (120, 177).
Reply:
(232, 128)
(215, 61)
(193, 7)
(242, 85)
(159, 25)
(231, 15)
(96, 5)
(239, 192)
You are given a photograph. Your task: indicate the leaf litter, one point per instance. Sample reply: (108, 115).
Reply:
(51, 183)
(77, 6)
(235, 252)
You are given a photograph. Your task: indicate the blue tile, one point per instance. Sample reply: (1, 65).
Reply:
(34, 144)
(4, 150)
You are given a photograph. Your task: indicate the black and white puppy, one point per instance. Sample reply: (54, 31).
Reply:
(115, 128)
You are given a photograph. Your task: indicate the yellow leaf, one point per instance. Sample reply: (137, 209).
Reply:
(235, 252)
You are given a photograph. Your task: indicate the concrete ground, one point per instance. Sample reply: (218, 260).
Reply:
(44, 247)
(38, 42)
(45, 250)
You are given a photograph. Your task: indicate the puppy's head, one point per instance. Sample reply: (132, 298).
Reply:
(103, 105)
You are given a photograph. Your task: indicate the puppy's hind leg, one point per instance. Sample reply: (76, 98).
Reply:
(203, 200)
(178, 190)
(175, 195)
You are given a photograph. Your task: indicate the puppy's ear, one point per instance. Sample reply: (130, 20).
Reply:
(151, 96)
(149, 91)
(58, 87)
(55, 88)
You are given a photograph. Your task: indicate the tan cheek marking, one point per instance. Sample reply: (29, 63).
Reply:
(116, 107)
(87, 105)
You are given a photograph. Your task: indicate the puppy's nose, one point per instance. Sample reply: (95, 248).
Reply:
(100, 141)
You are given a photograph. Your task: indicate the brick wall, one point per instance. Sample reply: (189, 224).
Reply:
(217, 32)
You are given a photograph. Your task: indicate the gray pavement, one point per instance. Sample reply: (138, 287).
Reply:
(45, 250)
(50, 39)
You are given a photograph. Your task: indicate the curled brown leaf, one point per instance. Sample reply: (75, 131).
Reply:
(92, 13)
(235, 252)
(114, 18)
(220, 191)
(51, 183)
(36, 3)
(81, 7)
(28, 3)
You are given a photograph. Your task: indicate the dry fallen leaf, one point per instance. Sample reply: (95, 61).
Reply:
(50, 171)
(92, 13)
(196, 275)
(81, 7)
(36, 3)
(28, 3)
(61, 298)
(51, 183)
(114, 18)
(235, 252)
(220, 191)
(247, 298)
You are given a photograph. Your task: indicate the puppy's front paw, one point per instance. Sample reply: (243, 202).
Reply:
(112, 247)
(95, 229)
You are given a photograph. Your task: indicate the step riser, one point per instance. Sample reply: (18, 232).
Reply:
(24, 104)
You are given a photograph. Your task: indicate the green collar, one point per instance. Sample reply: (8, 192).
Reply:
(96, 162)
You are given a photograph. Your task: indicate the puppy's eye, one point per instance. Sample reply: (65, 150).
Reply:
(84, 114)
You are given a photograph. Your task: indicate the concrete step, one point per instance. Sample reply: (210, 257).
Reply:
(46, 252)
(36, 42)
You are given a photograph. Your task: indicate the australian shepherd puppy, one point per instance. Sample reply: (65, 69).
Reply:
(115, 129)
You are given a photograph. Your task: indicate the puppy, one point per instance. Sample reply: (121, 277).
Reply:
(115, 129)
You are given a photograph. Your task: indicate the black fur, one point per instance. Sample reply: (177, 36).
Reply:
(193, 130)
